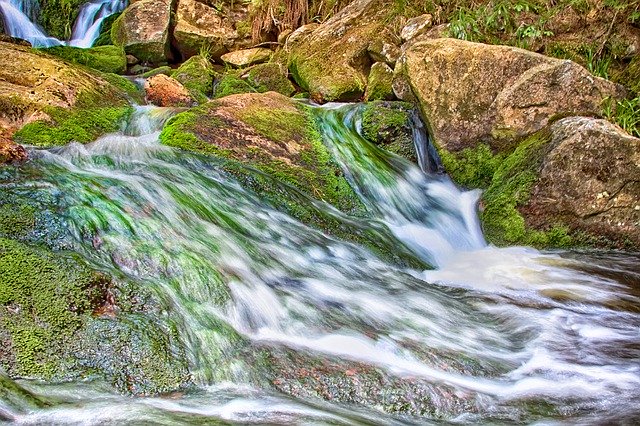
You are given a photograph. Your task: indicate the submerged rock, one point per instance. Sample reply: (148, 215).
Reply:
(472, 93)
(143, 30)
(574, 183)
(165, 91)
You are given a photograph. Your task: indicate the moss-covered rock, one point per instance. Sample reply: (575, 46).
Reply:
(630, 77)
(143, 30)
(104, 38)
(388, 124)
(165, 69)
(246, 57)
(57, 16)
(230, 83)
(109, 59)
(197, 75)
(269, 78)
(379, 85)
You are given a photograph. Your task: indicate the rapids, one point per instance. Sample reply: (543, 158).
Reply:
(488, 335)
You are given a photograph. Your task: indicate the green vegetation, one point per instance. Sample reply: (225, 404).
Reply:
(472, 167)
(379, 86)
(388, 124)
(269, 77)
(104, 39)
(231, 84)
(109, 59)
(57, 16)
(196, 75)
(625, 113)
(16, 220)
(43, 298)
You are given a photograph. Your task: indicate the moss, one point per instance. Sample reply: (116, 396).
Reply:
(196, 75)
(269, 77)
(77, 125)
(166, 70)
(125, 85)
(388, 124)
(43, 298)
(379, 84)
(110, 59)
(57, 16)
(630, 77)
(471, 167)
(104, 38)
(16, 220)
(231, 84)
(511, 188)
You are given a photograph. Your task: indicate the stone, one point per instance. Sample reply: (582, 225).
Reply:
(473, 93)
(589, 181)
(132, 60)
(384, 51)
(9, 150)
(143, 30)
(196, 75)
(269, 77)
(102, 58)
(247, 57)
(379, 86)
(416, 26)
(201, 26)
(331, 62)
(165, 91)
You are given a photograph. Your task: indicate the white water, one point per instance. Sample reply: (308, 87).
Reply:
(557, 330)
(18, 17)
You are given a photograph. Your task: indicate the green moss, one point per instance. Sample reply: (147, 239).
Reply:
(16, 220)
(80, 125)
(269, 77)
(471, 167)
(57, 16)
(231, 84)
(388, 124)
(630, 77)
(166, 70)
(110, 59)
(104, 38)
(196, 74)
(125, 85)
(43, 298)
(379, 83)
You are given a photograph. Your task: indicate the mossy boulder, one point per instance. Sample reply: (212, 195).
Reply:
(230, 83)
(214, 28)
(246, 57)
(269, 78)
(331, 61)
(57, 16)
(379, 85)
(109, 59)
(388, 124)
(143, 30)
(104, 38)
(574, 183)
(53, 102)
(196, 75)
(472, 93)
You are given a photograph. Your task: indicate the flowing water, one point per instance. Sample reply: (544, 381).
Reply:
(490, 334)
(19, 17)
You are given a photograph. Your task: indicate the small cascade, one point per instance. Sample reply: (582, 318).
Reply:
(89, 22)
(18, 17)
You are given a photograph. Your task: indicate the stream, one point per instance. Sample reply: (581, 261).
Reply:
(504, 335)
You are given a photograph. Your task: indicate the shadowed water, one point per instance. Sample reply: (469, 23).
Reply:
(490, 334)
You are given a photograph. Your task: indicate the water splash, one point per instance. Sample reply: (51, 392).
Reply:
(18, 24)
(87, 27)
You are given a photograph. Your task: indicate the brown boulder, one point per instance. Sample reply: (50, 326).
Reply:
(9, 150)
(471, 93)
(246, 57)
(165, 91)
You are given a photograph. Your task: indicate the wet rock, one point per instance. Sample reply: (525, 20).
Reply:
(472, 93)
(8, 39)
(416, 26)
(388, 125)
(143, 30)
(379, 85)
(9, 150)
(199, 26)
(331, 62)
(269, 78)
(165, 91)
(246, 57)
(132, 60)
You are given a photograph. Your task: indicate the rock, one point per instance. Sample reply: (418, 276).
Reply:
(331, 62)
(145, 72)
(297, 36)
(247, 57)
(165, 91)
(471, 93)
(573, 183)
(384, 51)
(284, 36)
(388, 124)
(196, 74)
(139, 69)
(132, 60)
(379, 84)
(57, 102)
(9, 150)
(143, 30)
(269, 78)
(8, 39)
(416, 26)
(103, 58)
(201, 26)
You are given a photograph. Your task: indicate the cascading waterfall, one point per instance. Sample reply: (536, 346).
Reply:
(19, 16)
(489, 335)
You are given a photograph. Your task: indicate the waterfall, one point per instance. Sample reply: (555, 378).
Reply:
(19, 15)
(490, 335)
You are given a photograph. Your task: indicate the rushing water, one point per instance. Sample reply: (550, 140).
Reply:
(490, 334)
(19, 16)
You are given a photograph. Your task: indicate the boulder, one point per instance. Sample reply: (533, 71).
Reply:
(9, 150)
(143, 30)
(165, 91)
(269, 78)
(103, 58)
(247, 57)
(573, 183)
(379, 86)
(384, 51)
(331, 62)
(57, 101)
(201, 26)
(471, 93)
(388, 125)
(416, 26)
(196, 74)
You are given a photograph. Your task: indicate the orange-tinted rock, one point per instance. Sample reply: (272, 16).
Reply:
(165, 91)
